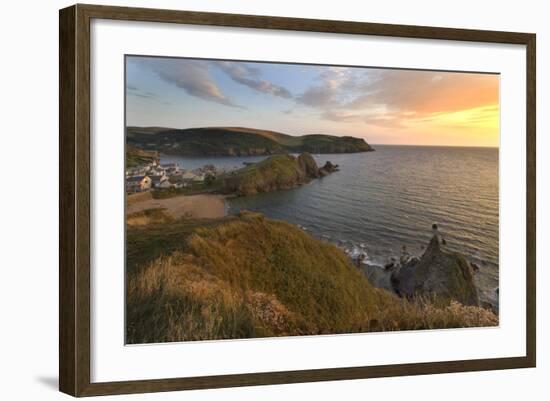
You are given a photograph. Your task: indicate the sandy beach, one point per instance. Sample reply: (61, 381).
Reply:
(190, 206)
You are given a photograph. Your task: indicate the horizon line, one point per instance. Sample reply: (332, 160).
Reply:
(298, 135)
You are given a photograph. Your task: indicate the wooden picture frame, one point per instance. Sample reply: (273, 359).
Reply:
(74, 204)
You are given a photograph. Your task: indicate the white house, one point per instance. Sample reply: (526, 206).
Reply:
(171, 166)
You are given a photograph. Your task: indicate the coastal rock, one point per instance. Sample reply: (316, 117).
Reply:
(308, 165)
(274, 173)
(439, 273)
(328, 168)
(378, 277)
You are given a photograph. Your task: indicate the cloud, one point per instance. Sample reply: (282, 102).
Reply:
(392, 97)
(328, 92)
(426, 92)
(340, 116)
(190, 75)
(135, 91)
(318, 96)
(249, 76)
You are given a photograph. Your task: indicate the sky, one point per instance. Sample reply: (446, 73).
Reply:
(383, 106)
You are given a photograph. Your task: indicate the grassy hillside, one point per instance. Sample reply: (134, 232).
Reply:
(248, 276)
(136, 156)
(237, 141)
(272, 174)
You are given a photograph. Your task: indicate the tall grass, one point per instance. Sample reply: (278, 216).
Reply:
(253, 277)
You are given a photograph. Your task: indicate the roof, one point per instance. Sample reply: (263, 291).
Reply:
(136, 178)
(157, 178)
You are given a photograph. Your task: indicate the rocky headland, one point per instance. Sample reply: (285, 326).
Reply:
(238, 141)
(275, 173)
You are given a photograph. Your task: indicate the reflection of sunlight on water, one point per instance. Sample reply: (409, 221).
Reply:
(382, 200)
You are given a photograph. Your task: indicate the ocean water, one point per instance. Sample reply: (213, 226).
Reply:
(382, 200)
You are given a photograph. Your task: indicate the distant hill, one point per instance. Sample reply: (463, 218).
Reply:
(136, 156)
(238, 141)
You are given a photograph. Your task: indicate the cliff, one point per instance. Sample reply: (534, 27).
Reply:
(238, 141)
(274, 173)
(439, 273)
(247, 276)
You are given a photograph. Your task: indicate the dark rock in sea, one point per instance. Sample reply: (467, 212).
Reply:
(441, 274)
(328, 168)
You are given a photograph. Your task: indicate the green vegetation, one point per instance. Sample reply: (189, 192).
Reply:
(144, 244)
(274, 173)
(237, 141)
(149, 216)
(248, 276)
(136, 156)
(200, 187)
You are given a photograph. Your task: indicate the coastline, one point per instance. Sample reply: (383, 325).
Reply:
(202, 206)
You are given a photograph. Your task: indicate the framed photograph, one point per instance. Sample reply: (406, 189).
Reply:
(250, 200)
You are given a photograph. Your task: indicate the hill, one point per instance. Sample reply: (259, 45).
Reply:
(247, 276)
(136, 156)
(272, 174)
(237, 141)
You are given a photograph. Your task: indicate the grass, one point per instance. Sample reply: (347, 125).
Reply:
(137, 157)
(149, 216)
(144, 244)
(248, 276)
(427, 313)
(274, 173)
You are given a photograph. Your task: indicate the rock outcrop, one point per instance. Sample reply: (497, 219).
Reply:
(439, 273)
(328, 168)
(274, 173)
(308, 164)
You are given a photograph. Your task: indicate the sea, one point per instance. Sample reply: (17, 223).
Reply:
(380, 201)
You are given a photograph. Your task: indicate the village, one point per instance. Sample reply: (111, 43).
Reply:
(157, 176)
